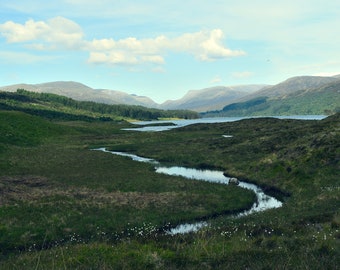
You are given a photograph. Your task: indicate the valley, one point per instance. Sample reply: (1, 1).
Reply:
(65, 206)
(295, 96)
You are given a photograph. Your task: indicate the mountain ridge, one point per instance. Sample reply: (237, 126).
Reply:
(324, 98)
(202, 100)
(211, 98)
(82, 92)
(196, 100)
(290, 86)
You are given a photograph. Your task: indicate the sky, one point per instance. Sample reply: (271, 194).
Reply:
(163, 49)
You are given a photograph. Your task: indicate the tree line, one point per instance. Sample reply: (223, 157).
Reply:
(105, 110)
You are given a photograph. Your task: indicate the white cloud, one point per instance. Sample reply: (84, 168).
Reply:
(15, 32)
(212, 48)
(55, 33)
(60, 33)
(204, 45)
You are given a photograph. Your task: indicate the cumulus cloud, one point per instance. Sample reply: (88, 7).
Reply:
(55, 33)
(60, 33)
(212, 47)
(15, 32)
(204, 45)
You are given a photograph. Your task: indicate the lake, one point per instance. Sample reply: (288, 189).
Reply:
(186, 122)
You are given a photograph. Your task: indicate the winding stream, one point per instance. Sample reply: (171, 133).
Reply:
(263, 203)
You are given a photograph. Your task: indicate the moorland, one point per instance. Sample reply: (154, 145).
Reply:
(63, 206)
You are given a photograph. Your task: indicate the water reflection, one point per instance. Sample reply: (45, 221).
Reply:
(133, 157)
(206, 175)
(185, 122)
(263, 203)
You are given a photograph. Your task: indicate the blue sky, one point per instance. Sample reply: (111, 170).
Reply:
(162, 49)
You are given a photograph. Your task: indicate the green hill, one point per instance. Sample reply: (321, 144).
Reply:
(21, 129)
(322, 100)
(52, 106)
(63, 206)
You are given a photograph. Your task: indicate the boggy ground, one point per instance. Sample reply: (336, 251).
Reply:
(56, 193)
(70, 221)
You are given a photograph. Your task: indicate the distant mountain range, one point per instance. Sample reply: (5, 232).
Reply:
(81, 92)
(213, 98)
(290, 86)
(297, 95)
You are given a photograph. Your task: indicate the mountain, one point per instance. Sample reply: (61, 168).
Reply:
(289, 86)
(82, 92)
(197, 100)
(213, 98)
(236, 100)
(56, 107)
(318, 96)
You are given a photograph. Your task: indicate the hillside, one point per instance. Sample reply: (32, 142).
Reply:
(63, 206)
(290, 86)
(213, 98)
(292, 96)
(285, 99)
(56, 107)
(81, 92)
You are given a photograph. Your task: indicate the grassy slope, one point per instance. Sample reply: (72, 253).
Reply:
(56, 107)
(324, 100)
(55, 192)
(300, 158)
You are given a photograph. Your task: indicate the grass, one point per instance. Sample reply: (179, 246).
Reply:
(56, 192)
(65, 207)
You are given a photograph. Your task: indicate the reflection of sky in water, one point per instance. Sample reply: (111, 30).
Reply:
(133, 157)
(205, 175)
(264, 201)
(182, 123)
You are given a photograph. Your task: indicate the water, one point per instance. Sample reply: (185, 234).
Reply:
(263, 203)
(182, 123)
(133, 157)
(205, 175)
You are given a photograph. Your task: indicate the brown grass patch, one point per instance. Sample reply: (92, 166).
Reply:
(34, 188)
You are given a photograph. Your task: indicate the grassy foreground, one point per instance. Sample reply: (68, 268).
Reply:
(65, 207)
(57, 194)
